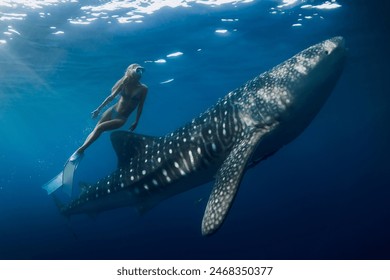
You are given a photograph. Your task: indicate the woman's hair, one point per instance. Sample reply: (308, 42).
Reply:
(128, 76)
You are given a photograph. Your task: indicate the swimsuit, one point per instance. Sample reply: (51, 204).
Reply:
(116, 115)
(133, 98)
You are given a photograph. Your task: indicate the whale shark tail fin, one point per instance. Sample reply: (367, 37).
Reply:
(64, 179)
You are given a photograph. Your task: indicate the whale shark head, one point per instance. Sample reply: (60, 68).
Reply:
(313, 75)
(314, 71)
(295, 90)
(306, 80)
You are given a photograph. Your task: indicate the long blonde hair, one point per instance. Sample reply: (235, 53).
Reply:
(127, 77)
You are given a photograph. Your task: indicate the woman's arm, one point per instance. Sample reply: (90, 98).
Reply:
(115, 91)
(140, 107)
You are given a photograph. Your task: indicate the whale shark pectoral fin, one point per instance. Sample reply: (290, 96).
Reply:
(227, 181)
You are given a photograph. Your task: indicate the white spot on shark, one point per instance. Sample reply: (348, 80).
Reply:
(191, 157)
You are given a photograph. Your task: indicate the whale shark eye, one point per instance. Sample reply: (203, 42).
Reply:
(326, 52)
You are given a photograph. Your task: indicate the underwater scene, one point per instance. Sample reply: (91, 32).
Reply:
(322, 194)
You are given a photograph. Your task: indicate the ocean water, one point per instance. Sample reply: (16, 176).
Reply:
(324, 196)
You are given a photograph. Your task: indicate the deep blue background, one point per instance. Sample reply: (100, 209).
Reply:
(324, 196)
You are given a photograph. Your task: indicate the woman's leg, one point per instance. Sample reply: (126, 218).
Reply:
(106, 116)
(99, 129)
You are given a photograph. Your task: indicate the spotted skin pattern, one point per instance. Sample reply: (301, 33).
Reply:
(228, 177)
(244, 127)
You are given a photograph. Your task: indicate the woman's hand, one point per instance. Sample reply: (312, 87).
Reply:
(133, 126)
(95, 113)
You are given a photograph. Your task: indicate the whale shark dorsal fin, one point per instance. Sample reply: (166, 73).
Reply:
(128, 145)
(227, 181)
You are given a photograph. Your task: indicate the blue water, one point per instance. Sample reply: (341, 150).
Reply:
(323, 196)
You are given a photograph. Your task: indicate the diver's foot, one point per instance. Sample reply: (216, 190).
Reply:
(76, 156)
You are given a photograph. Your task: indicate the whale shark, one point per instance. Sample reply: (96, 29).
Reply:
(243, 128)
